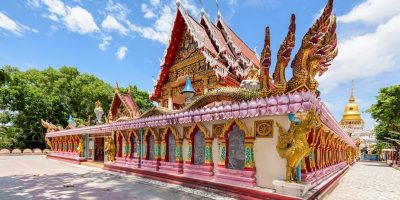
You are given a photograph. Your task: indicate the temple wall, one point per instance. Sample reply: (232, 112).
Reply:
(269, 165)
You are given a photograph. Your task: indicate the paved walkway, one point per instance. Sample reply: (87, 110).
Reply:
(35, 177)
(368, 180)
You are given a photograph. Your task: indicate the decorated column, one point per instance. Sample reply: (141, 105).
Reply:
(249, 154)
(222, 152)
(190, 152)
(208, 152)
(163, 150)
(178, 151)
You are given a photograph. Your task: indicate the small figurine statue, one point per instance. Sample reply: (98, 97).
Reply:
(99, 112)
(251, 82)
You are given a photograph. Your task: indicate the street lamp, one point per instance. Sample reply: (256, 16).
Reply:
(188, 90)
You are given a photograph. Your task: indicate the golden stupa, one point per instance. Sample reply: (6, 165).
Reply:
(352, 117)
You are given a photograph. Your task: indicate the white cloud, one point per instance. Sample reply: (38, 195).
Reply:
(366, 55)
(191, 8)
(121, 53)
(117, 9)
(155, 2)
(111, 24)
(35, 30)
(76, 19)
(372, 12)
(148, 13)
(160, 30)
(55, 6)
(33, 3)
(106, 41)
(80, 20)
(12, 26)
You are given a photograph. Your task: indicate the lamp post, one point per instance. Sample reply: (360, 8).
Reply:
(188, 90)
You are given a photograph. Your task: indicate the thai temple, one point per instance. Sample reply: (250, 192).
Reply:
(353, 124)
(222, 121)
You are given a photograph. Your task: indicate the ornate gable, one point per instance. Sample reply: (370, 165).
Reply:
(123, 107)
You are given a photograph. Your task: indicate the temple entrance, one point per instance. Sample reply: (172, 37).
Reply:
(132, 140)
(236, 148)
(198, 148)
(171, 145)
(99, 149)
(150, 147)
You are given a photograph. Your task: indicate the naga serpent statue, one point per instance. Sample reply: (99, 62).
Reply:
(110, 148)
(293, 145)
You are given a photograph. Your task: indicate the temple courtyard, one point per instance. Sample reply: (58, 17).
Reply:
(35, 177)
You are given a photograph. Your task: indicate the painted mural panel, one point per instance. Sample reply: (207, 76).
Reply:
(236, 148)
(151, 148)
(171, 148)
(199, 148)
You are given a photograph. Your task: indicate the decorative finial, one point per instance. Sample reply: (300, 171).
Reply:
(202, 11)
(352, 87)
(178, 3)
(116, 85)
(219, 12)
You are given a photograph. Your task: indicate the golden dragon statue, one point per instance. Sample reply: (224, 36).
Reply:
(50, 127)
(318, 49)
(110, 148)
(293, 144)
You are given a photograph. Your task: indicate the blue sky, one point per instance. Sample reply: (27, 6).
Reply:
(124, 40)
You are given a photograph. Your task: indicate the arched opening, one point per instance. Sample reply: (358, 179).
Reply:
(71, 142)
(235, 149)
(198, 147)
(150, 140)
(133, 142)
(119, 145)
(170, 142)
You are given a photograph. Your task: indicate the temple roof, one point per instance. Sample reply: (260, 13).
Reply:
(127, 102)
(224, 51)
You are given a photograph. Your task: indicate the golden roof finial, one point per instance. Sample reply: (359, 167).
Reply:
(352, 99)
(116, 85)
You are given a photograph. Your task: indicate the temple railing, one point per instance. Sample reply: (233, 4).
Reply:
(275, 105)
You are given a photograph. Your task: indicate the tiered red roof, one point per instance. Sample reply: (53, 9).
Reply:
(224, 51)
(127, 101)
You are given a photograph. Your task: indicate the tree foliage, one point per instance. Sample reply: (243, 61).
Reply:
(386, 111)
(51, 95)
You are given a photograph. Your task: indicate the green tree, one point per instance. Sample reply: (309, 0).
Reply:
(3, 77)
(51, 95)
(386, 112)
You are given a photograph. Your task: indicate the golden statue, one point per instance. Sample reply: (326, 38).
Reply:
(81, 147)
(253, 73)
(110, 148)
(293, 144)
(49, 143)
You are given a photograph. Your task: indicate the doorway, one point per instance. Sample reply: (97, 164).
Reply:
(99, 149)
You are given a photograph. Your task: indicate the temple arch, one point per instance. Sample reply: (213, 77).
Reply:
(133, 143)
(236, 146)
(120, 138)
(200, 145)
(171, 145)
(151, 145)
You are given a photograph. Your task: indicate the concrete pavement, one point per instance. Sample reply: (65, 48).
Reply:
(368, 181)
(35, 177)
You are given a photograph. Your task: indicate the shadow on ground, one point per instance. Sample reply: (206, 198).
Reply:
(92, 185)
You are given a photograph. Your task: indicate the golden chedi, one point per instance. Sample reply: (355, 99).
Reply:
(352, 118)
